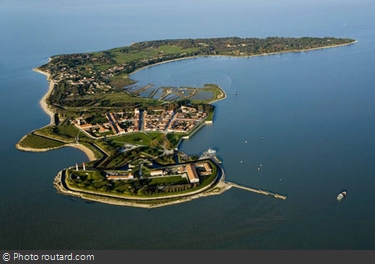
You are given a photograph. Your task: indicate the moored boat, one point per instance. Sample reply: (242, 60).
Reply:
(341, 195)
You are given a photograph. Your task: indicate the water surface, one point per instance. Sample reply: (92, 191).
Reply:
(308, 118)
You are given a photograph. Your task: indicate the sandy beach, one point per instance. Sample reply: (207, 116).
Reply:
(90, 154)
(43, 101)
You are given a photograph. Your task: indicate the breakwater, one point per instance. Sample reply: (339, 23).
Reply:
(276, 195)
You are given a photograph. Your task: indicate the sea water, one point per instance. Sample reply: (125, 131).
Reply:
(298, 124)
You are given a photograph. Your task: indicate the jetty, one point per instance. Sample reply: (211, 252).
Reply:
(276, 195)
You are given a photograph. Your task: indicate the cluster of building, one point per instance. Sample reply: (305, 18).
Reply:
(118, 123)
(192, 171)
(185, 119)
(122, 122)
(182, 120)
(120, 176)
(156, 120)
(93, 84)
(98, 81)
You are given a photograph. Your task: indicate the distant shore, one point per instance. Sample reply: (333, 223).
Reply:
(243, 56)
(303, 50)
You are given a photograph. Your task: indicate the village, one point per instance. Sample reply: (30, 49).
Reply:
(182, 120)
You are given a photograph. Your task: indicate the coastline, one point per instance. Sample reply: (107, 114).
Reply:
(43, 101)
(89, 153)
(221, 187)
(244, 56)
(303, 50)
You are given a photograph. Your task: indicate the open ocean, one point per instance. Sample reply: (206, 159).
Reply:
(308, 118)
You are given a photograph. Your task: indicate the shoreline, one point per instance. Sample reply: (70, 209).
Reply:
(89, 153)
(221, 187)
(43, 101)
(244, 56)
(303, 50)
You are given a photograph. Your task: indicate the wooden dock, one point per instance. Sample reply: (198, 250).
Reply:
(259, 191)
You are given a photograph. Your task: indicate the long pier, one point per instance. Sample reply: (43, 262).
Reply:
(258, 191)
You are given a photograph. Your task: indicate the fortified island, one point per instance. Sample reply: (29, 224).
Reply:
(130, 132)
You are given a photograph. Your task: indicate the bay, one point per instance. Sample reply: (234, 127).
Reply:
(308, 118)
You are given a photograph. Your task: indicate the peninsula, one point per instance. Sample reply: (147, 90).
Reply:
(130, 132)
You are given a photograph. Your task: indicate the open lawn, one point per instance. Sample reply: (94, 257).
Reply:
(38, 142)
(167, 180)
(137, 138)
(121, 81)
(148, 53)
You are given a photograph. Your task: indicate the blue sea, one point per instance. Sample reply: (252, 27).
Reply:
(306, 119)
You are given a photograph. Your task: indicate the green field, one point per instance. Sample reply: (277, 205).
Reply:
(167, 180)
(38, 142)
(136, 138)
(121, 57)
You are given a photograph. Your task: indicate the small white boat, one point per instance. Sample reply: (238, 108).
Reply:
(341, 195)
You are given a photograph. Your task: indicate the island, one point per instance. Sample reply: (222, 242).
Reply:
(130, 132)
